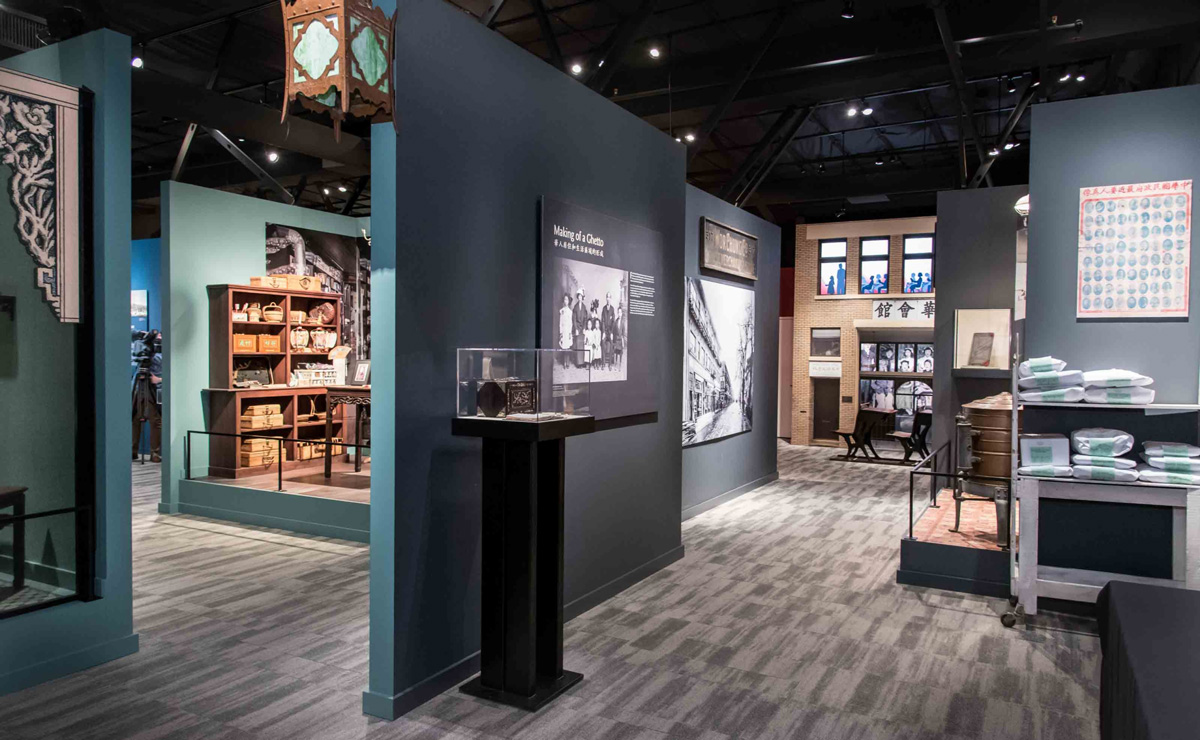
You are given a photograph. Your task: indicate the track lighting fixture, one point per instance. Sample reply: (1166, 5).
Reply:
(1080, 77)
(1066, 75)
(576, 69)
(689, 137)
(655, 52)
(137, 62)
(1010, 84)
(879, 161)
(848, 10)
(325, 191)
(821, 168)
(1009, 146)
(341, 188)
(852, 111)
(993, 152)
(272, 157)
(867, 109)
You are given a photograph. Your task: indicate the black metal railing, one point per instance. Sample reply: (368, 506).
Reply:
(83, 586)
(937, 479)
(280, 459)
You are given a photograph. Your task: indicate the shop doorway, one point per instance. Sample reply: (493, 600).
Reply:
(825, 408)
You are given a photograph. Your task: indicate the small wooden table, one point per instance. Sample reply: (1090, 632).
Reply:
(13, 496)
(351, 395)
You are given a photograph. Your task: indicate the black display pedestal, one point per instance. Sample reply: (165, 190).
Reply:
(521, 650)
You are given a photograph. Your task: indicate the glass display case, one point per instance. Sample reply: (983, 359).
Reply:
(981, 339)
(524, 384)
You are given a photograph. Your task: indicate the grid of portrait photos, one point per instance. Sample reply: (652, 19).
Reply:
(1134, 250)
(895, 357)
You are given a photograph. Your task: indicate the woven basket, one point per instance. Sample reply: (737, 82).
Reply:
(272, 312)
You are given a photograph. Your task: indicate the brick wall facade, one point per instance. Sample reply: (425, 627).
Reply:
(822, 312)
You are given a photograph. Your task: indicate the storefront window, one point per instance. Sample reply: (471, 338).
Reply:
(918, 263)
(826, 343)
(874, 265)
(832, 266)
(900, 358)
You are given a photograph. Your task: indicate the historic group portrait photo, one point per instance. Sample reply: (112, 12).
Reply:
(592, 322)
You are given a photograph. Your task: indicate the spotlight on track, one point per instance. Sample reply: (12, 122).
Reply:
(1010, 84)
(689, 137)
(848, 10)
(1066, 75)
(576, 69)
(867, 109)
(852, 111)
(341, 188)
(137, 62)
(1080, 77)
(879, 161)
(993, 152)
(655, 52)
(272, 157)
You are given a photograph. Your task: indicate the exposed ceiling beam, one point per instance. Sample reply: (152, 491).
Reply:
(1009, 126)
(752, 159)
(730, 93)
(238, 118)
(966, 99)
(222, 173)
(839, 187)
(798, 121)
(543, 19)
(489, 16)
(255, 168)
(618, 45)
(222, 55)
(144, 39)
(355, 194)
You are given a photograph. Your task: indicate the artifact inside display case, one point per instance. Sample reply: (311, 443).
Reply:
(981, 338)
(519, 384)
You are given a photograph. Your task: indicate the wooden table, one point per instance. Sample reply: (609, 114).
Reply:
(12, 496)
(350, 395)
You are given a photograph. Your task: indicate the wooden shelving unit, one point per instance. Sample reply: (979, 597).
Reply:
(227, 404)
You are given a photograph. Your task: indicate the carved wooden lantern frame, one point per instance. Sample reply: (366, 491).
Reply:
(339, 59)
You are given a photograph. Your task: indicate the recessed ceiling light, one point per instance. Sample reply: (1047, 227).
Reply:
(690, 137)
(852, 111)
(272, 156)
(137, 63)
(576, 69)
(655, 52)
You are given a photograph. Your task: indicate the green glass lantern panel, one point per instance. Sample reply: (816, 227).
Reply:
(369, 55)
(316, 50)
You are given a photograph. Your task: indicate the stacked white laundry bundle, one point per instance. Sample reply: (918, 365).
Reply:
(1045, 456)
(1170, 462)
(1117, 387)
(1047, 379)
(1098, 454)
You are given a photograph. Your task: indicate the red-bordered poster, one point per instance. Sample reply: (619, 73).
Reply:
(1135, 245)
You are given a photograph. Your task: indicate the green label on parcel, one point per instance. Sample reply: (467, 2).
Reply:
(1047, 380)
(1120, 397)
(1175, 450)
(1104, 474)
(1041, 365)
(1043, 454)
(1101, 448)
(1179, 466)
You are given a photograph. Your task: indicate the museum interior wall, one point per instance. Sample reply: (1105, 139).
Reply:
(467, 191)
(717, 471)
(42, 645)
(812, 310)
(211, 237)
(976, 269)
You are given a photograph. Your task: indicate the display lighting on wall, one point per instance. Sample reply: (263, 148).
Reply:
(848, 10)
(576, 69)
(655, 52)
(339, 59)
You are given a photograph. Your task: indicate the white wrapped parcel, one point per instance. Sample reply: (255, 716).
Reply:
(1174, 464)
(1123, 463)
(1171, 449)
(1048, 381)
(1058, 395)
(1154, 475)
(1091, 472)
(1101, 442)
(1045, 471)
(1115, 379)
(1130, 396)
(1039, 365)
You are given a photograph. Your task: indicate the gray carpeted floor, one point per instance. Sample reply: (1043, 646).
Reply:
(782, 621)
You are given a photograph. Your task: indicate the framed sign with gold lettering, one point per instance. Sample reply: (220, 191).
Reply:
(725, 249)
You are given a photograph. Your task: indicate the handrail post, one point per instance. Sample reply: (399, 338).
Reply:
(279, 463)
(911, 475)
(187, 456)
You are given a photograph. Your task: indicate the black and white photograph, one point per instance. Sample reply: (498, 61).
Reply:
(877, 394)
(908, 358)
(342, 263)
(924, 358)
(719, 364)
(887, 358)
(606, 273)
(866, 357)
(593, 322)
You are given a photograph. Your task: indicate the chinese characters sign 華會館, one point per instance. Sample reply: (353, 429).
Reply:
(903, 309)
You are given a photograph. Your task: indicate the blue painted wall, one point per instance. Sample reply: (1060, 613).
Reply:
(484, 132)
(719, 471)
(211, 237)
(145, 274)
(47, 644)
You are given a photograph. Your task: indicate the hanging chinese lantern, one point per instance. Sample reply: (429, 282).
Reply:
(339, 59)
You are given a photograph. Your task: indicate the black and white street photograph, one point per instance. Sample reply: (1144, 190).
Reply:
(719, 366)
(592, 321)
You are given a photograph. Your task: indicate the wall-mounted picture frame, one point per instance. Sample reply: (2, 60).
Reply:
(361, 374)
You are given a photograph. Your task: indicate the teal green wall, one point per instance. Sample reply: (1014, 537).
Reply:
(46, 644)
(210, 237)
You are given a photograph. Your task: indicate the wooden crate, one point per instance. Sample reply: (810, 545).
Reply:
(270, 343)
(265, 421)
(251, 459)
(303, 282)
(264, 409)
(245, 342)
(319, 447)
(259, 445)
(276, 282)
(304, 451)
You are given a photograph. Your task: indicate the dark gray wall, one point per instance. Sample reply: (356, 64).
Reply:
(976, 268)
(485, 130)
(718, 471)
(1112, 140)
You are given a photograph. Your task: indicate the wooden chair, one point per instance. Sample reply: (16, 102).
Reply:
(15, 498)
(859, 439)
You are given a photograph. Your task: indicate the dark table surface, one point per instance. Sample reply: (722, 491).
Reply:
(1150, 685)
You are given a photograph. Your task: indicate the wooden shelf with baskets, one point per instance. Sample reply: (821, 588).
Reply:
(303, 408)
